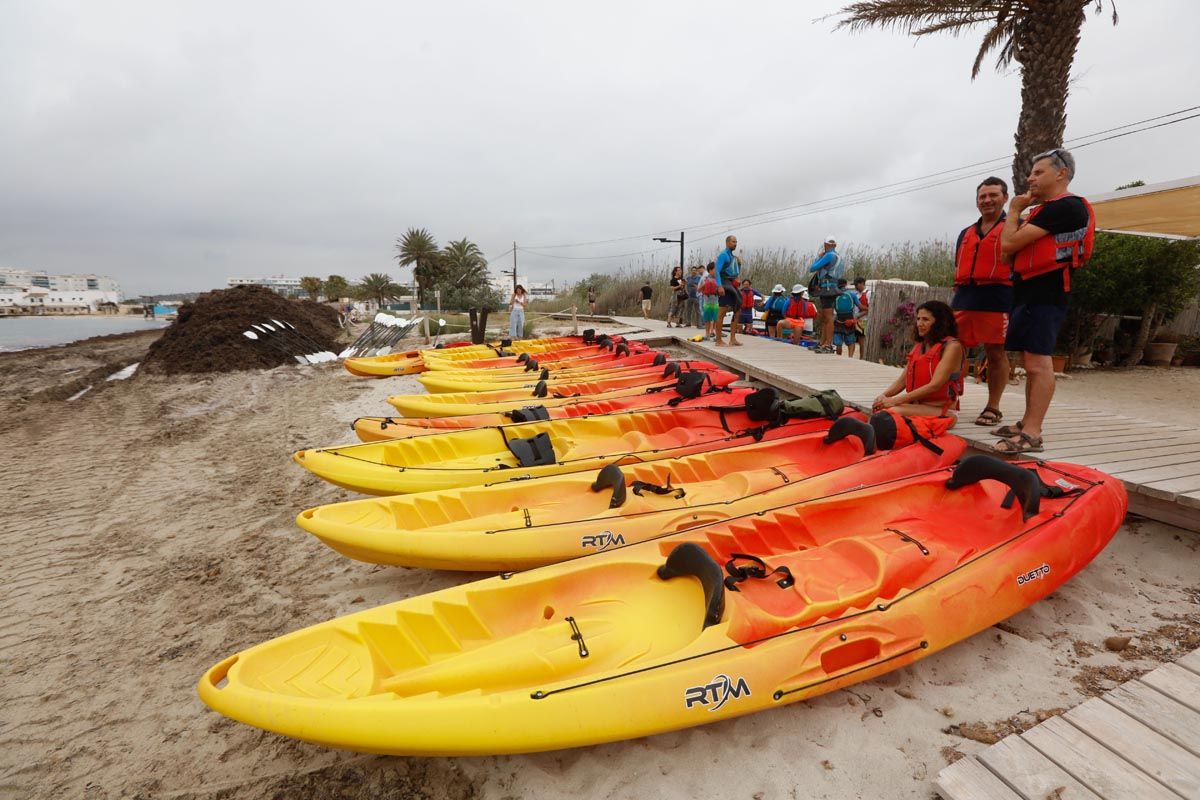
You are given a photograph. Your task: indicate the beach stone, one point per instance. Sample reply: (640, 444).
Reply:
(1116, 643)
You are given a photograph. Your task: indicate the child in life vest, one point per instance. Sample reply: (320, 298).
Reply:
(710, 293)
(798, 316)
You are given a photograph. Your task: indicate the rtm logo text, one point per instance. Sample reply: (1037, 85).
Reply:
(1033, 575)
(603, 540)
(716, 693)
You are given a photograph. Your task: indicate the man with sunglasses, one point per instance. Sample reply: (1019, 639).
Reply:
(1054, 239)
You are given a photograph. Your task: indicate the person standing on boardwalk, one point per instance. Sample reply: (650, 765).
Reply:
(729, 267)
(864, 308)
(1054, 239)
(983, 294)
(678, 299)
(591, 300)
(827, 269)
(647, 293)
(516, 313)
(691, 316)
(710, 293)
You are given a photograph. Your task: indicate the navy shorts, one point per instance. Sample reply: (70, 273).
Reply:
(732, 298)
(747, 315)
(1034, 329)
(827, 302)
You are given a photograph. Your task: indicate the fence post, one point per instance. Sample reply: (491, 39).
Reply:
(425, 328)
(574, 320)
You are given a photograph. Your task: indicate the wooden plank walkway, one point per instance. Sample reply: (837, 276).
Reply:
(1141, 740)
(1159, 464)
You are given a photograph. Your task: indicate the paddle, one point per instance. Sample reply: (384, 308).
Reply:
(326, 354)
(254, 337)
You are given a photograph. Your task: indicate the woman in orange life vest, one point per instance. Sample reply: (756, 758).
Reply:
(933, 378)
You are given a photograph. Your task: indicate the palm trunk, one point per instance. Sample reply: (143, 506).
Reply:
(1046, 43)
(1150, 322)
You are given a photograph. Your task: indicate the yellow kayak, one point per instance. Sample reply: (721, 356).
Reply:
(518, 526)
(685, 630)
(514, 347)
(454, 404)
(521, 451)
(617, 376)
(406, 363)
(598, 350)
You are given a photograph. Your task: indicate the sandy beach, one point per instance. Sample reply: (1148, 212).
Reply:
(148, 532)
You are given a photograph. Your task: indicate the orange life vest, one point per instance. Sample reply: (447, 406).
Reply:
(1042, 255)
(893, 431)
(800, 309)
(919, 372)
(978, 258)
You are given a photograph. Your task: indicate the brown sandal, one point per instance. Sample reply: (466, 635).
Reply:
(1023, 443)
(1009, 431)
(989, 416)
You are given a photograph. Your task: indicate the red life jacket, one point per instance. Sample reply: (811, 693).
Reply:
(710, 287)
(893, 431)
(1042, 255)
(920, 369)
(800, 309)
(978, 257)
(747, 298)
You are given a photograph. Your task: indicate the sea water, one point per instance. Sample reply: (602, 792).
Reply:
(22, 333)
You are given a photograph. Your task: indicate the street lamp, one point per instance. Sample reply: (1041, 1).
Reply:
(672, 241)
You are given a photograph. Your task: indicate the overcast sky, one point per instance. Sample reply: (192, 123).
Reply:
(174, 145)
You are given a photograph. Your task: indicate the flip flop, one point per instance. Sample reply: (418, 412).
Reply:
(1008, 431)
(989, 416)
(1023, 443)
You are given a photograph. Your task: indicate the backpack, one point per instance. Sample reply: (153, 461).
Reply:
(843, 306)
(828, 404)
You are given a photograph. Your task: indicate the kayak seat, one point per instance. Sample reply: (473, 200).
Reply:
(536, 451)
(831, 580)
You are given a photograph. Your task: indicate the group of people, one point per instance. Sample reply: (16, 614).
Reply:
(712, 292)
(1012, 283)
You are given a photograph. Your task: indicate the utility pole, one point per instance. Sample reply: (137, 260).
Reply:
(680, 240)
(514, 267)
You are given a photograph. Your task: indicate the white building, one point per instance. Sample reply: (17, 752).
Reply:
(280, 284)
(33, 292)
(538, 290)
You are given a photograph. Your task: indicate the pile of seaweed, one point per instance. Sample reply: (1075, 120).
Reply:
(208, 335)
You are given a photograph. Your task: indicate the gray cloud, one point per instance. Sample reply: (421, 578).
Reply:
(173, 146)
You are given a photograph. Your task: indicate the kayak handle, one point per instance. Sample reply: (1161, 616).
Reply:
(622, 350)
(1023, 484)
(521, 359)
(531, 364)
(849, 426)
(611, 476)
(691, 559)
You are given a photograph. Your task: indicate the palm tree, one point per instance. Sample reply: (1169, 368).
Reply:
(335, 287)
(418, 249)
(1040, 35)
(378, 287)
(464, 263)
(311, 285)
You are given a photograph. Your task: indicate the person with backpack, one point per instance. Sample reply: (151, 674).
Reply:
(773, 307)
(710, 294)
(728, 268)
(845, 312)
(826, 271)
(798, 316)
(1053, 241)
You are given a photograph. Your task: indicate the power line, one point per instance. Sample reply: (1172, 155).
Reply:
(862, 201)
(991, 163)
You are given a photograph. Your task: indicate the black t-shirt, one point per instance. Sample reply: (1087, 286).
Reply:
(647, 292)
(1065, 215)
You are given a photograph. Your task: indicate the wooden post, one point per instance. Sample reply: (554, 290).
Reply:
(574, 320)
(425, 328)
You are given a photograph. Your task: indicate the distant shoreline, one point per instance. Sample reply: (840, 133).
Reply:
(8, 349)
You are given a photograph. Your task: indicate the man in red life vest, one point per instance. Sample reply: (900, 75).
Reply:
(983, 294)
(1054, 239)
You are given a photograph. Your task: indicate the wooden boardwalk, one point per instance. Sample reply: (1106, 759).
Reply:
(1140, 741)
(1159, 464)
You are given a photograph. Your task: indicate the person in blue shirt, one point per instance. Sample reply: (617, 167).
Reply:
(729, 267)
(828, 269)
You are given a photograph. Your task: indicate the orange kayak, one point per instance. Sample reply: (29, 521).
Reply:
(694, 627)
(608, 349)
(521, 451)
(375, 429)
(510, 526)
(615, 376)
(453, 404)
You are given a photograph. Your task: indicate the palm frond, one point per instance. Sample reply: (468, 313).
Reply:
(1002, 36)
(927, 16)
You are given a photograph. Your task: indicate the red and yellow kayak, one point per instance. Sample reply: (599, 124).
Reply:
(616, 376)
(520, 451)
(685, 630)
(377, 429)
(453, 404)
(517, 526)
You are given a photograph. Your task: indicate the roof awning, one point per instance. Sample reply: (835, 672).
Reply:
(1170, 209)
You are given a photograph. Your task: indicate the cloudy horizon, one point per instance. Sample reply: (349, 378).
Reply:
(173, 147)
